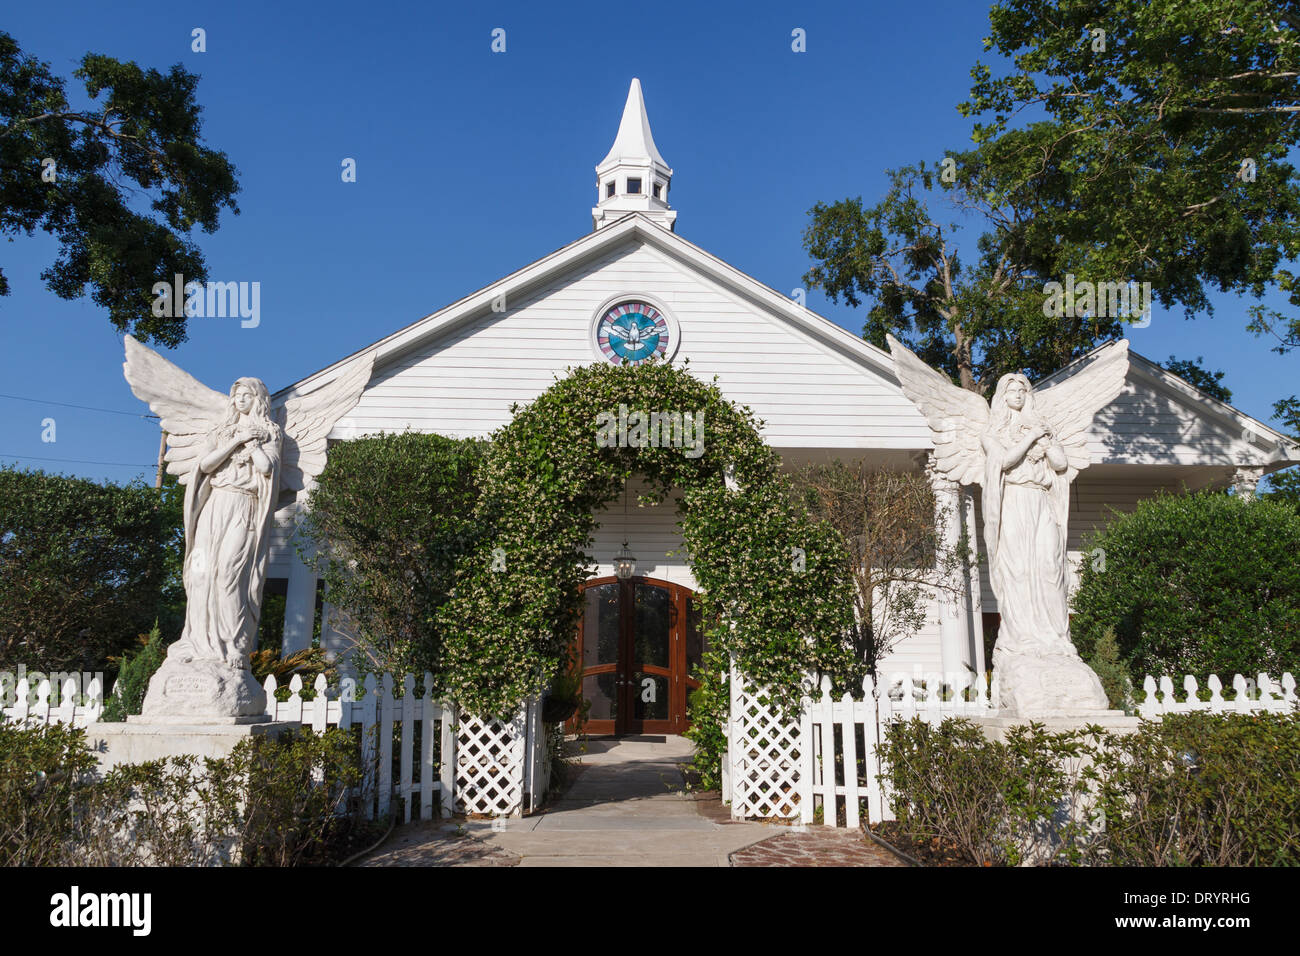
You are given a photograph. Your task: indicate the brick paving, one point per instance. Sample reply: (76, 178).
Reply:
(816, 846)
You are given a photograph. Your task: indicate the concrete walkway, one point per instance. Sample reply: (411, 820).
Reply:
(627, 807)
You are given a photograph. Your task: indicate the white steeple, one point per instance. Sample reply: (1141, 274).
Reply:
(633, 177)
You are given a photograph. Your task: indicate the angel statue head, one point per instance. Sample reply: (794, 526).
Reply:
(249, 396)
(1013, 400)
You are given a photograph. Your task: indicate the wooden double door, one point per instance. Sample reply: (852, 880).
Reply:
(638, 643)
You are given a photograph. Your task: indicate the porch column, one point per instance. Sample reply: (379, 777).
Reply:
(974, 600)
(299, 603)
(1244, 480)
(953, 613)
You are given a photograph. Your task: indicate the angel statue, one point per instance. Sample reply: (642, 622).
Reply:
(234, 454)
(1023, 451)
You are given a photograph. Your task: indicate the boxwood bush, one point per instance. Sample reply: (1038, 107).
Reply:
(271, 802)
(1195, 584)
(1193, 789)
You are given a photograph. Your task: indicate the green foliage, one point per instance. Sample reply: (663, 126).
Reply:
(43, 771)
(1200, 584)
(992, 800)
(392, 515)
(82, 567)
(1162, 112)
(1115, 680)
(1284, 486)
(507, 630)
(140, 135)
(295, 784)
(1162, 109)
(1202, 789)
(271, 802)
(307, 663)
(1194, 789)
(709, 706)
(975, 317)
(133, 672)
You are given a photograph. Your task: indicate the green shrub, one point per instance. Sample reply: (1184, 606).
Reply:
(1202, 789)
(1193, 789)
(133, 673)
(83, 568)
(271, 802)
(991, 800)
(296, 785)
(708, 706)
(44, 774)
(1200, 584)
(388, 549)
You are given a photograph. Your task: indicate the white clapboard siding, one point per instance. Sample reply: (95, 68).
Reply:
(464, 382)
(1150, 424)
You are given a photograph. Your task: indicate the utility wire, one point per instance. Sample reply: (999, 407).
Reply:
(89, 408)
(80, 461)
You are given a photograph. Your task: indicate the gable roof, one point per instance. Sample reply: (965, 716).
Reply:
(589, 247)
(1276, 449)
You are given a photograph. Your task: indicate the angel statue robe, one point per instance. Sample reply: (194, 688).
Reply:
(228, 515)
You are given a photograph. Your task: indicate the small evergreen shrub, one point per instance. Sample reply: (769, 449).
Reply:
(134, 669)
(1114, 674)
(271, 802)
(1194, 789)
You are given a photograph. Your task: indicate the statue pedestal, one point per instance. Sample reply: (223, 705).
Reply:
(1113, 721)
(201, 691)
(140, 739)
(1047, 685)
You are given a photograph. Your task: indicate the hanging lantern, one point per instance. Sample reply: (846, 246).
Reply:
(624, 563)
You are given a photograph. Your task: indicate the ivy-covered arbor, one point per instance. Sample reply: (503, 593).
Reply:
(771, 582)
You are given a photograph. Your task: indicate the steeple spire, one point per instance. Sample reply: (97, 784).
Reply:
(633, 177)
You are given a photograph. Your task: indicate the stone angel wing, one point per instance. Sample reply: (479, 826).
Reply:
(188, 409)
(957, 417)
(1069, 406)
(307, 420)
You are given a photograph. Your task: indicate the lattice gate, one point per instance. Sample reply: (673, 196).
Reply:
(491, 758)
(767, 755)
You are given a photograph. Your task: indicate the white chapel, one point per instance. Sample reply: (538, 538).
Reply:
(632, 288)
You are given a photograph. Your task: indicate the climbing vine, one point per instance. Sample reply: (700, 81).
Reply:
(771, 582)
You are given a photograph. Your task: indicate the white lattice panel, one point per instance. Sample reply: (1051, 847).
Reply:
(766, 752)
(490, 764)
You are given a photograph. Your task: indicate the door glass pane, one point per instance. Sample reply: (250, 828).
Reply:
(650, 696)
(653, 625)
(600, 626)
(599, 689)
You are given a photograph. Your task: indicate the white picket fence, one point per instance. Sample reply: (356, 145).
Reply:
(1260, 694)
(446, 761)
(784, 767)
(79, 704)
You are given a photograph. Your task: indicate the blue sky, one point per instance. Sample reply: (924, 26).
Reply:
(471, 164)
